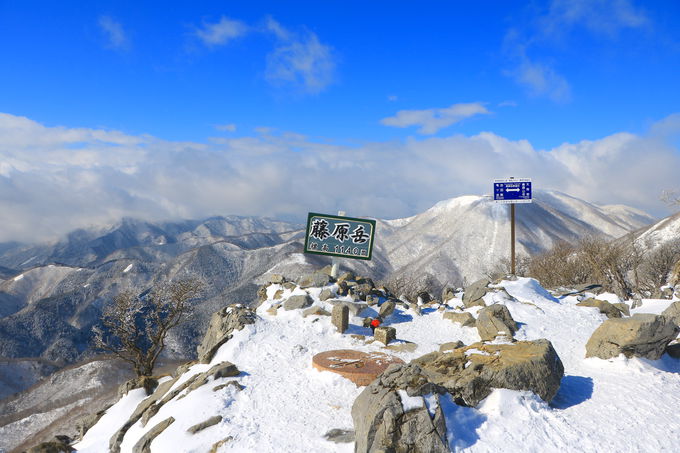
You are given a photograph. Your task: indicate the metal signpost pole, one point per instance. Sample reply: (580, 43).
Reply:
(512, 238)
(335, 263)
(511, 191)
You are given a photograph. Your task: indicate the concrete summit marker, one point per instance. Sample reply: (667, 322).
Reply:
(345, 237)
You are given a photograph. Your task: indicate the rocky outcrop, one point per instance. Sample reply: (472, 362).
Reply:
(60, 444)
(673, 312)
(642, 335)
(297, 302)
(212, 421)
(149, 384)
(470, 373)
(463, 318)
(610, 310)
(316, 279)
(475, 292)
(391, 414)
(495, 320)
(143, 445)
(221, 328)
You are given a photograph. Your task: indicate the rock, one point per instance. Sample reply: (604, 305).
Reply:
(381, 423)
(147, 382)
(642, 335)
(343, 289)
(372, 300)
(60, 444)
(605, 307)
(146, 405)
(448, 293)
(339, 436)
(325, 294)
(345, 277)
(495, 320)
(465, 319)
(143, 445)
(471, 373)
(403, 346)
(219, 443)
(672, 312)
(315, 310)
(450, 346)
(475, 292)
(623, 308)
(361, 291)
(315, 280)
(273, 310)
(262, 293)
(220, 330)
(297, 302)
(276, 278)
(387, 308)
(212, 421)
(385, 334)
(220, 370)
(278, 294)
(673, 350)
(234, 384)
(354, 307)
(340, 317)
(84, 424)
(424, 297)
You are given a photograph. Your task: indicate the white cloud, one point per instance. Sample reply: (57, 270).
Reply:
(222, 32)
(432, 120)
(56, 179)
(226, 127)
(113, 31)
(392, 98)
(603, 18)
(541, 80)
(300, 61)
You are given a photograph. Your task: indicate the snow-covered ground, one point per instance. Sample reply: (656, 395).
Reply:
(618, 405)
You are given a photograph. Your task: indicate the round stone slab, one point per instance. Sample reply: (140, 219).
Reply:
(359, 367)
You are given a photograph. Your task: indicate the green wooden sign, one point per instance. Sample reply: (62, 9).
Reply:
(345, 237)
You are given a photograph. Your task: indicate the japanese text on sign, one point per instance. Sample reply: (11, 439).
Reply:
(339, 236)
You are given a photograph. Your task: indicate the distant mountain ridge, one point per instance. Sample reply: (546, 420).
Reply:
(52, 294)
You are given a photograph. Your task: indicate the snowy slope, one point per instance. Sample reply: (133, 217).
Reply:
(661, 232)
(467, 236)
(616, 405)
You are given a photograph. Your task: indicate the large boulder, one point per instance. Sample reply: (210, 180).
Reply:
(222, 326)
(606, 308)
(470, 373)
(463, 318)
(673, 312)
(495, 320)
(316, 279)
(475, 292)
(390, 415)
(297, 302)
(642, 335)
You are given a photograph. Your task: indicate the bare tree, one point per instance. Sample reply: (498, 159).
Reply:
(135, 326)
(671, 197)
(656, 266)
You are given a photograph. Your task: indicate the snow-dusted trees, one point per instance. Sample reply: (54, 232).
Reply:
(134, 327)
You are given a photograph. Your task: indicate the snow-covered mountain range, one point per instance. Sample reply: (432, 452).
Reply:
(52, 294)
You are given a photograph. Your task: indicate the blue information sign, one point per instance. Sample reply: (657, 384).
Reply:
(513, 190)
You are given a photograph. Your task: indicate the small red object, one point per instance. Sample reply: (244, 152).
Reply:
(375, 323)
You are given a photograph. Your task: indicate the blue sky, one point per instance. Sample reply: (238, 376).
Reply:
(561, 83)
